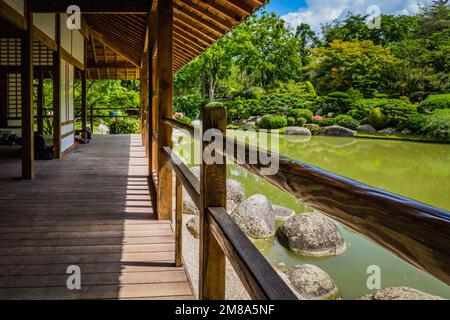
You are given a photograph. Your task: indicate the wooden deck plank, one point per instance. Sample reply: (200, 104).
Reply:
(91, 209)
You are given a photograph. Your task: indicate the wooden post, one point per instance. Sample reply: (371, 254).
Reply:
(212, 194)
(40, 104)
(165, 84)
(57, 91)
(152, 39)
(179, 224)
(83, 104)
(27, 97)
(3, 101)
(92, 119)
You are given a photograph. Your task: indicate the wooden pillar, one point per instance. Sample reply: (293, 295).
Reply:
(27, 97)
(91, 118)
(144, 104)
(83, 103)
(40, 104)
(151, 70)
(212, 194)
(178, 223)
(57, 91)
(3, 100)
(165, 85)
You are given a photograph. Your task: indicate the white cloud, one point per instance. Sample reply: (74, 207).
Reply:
(320, 12)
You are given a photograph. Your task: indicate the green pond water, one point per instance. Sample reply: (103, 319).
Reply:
(420, 171)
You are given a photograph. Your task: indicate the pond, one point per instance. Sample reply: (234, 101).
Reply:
(420, 171)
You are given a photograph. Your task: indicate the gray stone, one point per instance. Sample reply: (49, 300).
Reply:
(367, 128)
(255, 217)
(388, 131)
(309, 282)
(193, 225)
(339, 131)
(189, 206)
(407, 131)
(297, 131)
(400, 293)
(312, 234)
(235, 191)
(250, 125)
(282, 213)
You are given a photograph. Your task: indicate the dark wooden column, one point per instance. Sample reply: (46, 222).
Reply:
(40, 104)
(27, 97)
(165, 85)
(212, 194)
(152, 34)
(57, 91)
(83, 103)
(3, 100)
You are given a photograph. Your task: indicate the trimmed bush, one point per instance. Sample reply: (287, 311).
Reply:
(301, 113)
(301, 122)
(432, 103)
(327, 122)
(416, 122)
(255, 93)
(438, 125)
(291, 121)
(265, 122)
(278, 122)
(377, 119)
(347, 122)
(314, 128)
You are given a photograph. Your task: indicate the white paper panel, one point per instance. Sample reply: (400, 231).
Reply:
(67, 142)
(78, 46)
(66, 129)
(14, 123)
(46, 23)
(17, 5)
(66, 35)
(71, 88)
(63, 91)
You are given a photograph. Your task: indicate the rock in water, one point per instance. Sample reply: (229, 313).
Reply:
(310, 283)
(282, 213)
(255, 217)
(312, 234)
(367, 128)
(193, 226)
(297, 131)
(339, 131)
(400, 293)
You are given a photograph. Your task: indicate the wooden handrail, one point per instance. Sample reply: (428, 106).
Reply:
(416, 232)
(258, 277)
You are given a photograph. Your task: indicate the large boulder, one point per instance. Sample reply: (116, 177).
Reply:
(338, 131)
(193, 225)
(281, 213)
(367, 128)
(400, 293)
(250, 125)
(255, 217)
(235, 191)
(297, 131)
(309, 282)
(312, 234)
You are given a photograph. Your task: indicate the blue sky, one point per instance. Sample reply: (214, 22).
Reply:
(318, 12)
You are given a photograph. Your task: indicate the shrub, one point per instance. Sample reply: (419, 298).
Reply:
(265, 122)
(439, 101)
(301, 122)
(314, 128)
(189, 105)
(416, 122)
(338, 102)
(438, 125)
(301, 113)
(417, 96)
(377, 119)
(347, 122)
(124, 126)
(255, 93)
(278, 122)
(327, 122)
(291, 121)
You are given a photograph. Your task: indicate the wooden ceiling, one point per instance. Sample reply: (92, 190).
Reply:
(118, 40)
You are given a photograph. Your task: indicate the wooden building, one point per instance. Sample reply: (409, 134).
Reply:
(127, 250)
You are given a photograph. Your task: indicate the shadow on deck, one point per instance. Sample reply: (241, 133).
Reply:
(93, 210)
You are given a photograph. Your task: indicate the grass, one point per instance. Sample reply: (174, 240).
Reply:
(399, 137)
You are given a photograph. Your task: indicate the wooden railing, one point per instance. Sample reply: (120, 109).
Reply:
(416, 232)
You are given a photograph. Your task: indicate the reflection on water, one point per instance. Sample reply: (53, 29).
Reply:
(416, 170)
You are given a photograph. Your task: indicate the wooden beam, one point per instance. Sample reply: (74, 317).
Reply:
(57, 91)
(12, 16)
(27, 97)
(92, 6)
(178, 223)
(213, 193)
(110, 65)
(165, 98)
